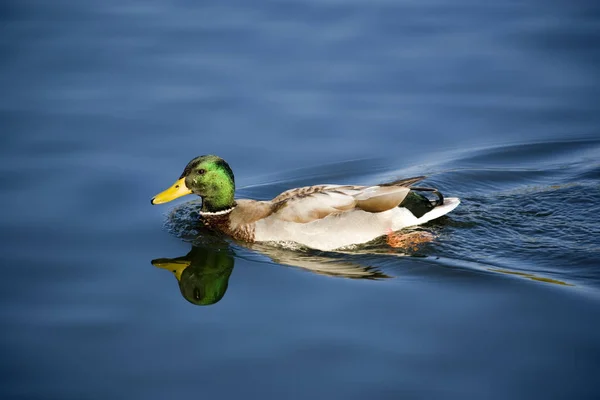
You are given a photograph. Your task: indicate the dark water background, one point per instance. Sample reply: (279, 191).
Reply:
(103, 103)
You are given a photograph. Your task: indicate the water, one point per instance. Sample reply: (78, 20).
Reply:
(104, 102)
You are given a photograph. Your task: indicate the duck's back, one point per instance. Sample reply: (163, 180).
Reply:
(344, 228)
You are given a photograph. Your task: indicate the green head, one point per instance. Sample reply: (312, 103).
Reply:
(203, 274)
(209, 177)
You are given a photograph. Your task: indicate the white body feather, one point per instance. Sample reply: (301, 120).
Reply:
(342, 229)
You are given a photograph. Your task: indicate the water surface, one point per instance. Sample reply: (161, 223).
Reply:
(105, 296)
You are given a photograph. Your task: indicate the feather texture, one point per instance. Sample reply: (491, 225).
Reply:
(326, 217)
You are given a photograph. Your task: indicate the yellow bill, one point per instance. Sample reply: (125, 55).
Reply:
(175, 265)
(177, 190)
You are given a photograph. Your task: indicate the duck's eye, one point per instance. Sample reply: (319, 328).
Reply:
(201, 171)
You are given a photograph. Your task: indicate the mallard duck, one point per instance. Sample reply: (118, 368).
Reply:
(323, 217)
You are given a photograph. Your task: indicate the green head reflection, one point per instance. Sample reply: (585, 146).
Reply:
(203, 273)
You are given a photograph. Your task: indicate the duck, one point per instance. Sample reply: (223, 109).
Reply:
(324, 217)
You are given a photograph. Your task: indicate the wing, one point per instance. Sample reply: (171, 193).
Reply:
(310, 203)
(308, 190)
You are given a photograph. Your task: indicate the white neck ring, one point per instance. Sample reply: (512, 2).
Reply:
(216, 213)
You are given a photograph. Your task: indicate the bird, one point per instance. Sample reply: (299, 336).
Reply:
(324, 217)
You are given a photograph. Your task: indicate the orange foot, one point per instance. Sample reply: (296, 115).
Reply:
(410, 240)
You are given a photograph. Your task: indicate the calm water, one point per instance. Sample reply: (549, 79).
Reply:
(104, 102)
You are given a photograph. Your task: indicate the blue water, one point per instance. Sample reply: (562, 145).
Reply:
(104, 102)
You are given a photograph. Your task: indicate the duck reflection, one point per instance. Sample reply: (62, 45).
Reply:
(322, 263)
(203, 273)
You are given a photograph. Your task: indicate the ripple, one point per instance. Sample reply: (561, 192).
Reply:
(539, 222)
